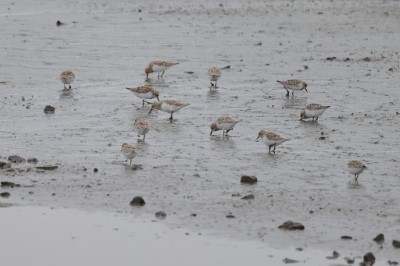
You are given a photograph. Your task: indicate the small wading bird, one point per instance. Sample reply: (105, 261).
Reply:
(142, 127)
(168, 106)
(67, 77)
(224, 123)
(313, 110)
(270, 139)
(293, 85)
(158, 66)
(356, 168)
(145, 92)
(214, 73)
(129, 151)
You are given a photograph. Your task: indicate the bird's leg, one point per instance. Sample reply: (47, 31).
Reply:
(287, 94)
(226, 133)
(130, 162)
(215, 85)
(269, 148)
(223, 133)
(158, 76)
(356, 180)
(316, 119)
(274, 149)
(171, 118)
(144, 136)
(142, 103)
(162, 74)
(70, 86)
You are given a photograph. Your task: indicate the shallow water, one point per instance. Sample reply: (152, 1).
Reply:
(185, 170)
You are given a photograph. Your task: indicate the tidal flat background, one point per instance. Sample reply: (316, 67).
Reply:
(347, 51)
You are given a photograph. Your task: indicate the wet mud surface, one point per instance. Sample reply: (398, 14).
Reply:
(347, 51)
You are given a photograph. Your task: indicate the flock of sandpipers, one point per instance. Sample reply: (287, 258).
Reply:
(225, 123)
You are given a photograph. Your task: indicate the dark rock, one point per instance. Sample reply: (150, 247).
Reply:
(369, 259)
(299, 249)
(334, 256)
(193, 214)
(4, 165)
(230, 216)
(246, 179)
(5, 194)
(161, 215)
(59, 23)
(138, 201)
(289, 225)
(393, 262)
(331, 58)
(367, 59)
(95, 170)
(379, 238)
(47, 167)
(346, 238)
(49, 109)
(226, 67)
(259, 44)
(16, 159)
(5, 205)
(9, 184)
(189, 72)
(287, 261)
(248, 197)
(396, 243)
(32, 160)
(350, 260)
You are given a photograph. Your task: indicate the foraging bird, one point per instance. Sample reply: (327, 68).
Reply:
(129, 151)
(293, 85)
(313, 110)
(214, 73)
(224, 123)
(270, 139)
(356, 168)
(169, 106)
(67, 77)
(145, 92)
(142, 127)
(158, 66)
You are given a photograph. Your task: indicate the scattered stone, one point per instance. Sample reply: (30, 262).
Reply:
(193, 215)
(189, 72)
(289, 225)
(32, 160)
(369, 259)
(396, 243)
(135, 167)
(5, 194)
(287, 261)
(59, 23)
(4, 165)
(47, 167)
(5, 184)
(299, 249)
(95, 170)
(236, 194)
(367, 59)
(16, 159)
(226, 67)
(350, 260)
(393, 262)
(331, 58)
(138, 201)
(259, 44)
(246, 179)
(305, 67)
(161, 215)
(5, 205)
(379, 238)
(230, 216)
(49, 109)
(334, 256)
(248, 197)
(346, 238)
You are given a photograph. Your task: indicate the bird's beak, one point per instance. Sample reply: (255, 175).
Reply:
(151, 110)
(158, 99)
(306, 89)
(257, 138)
(211, 132)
